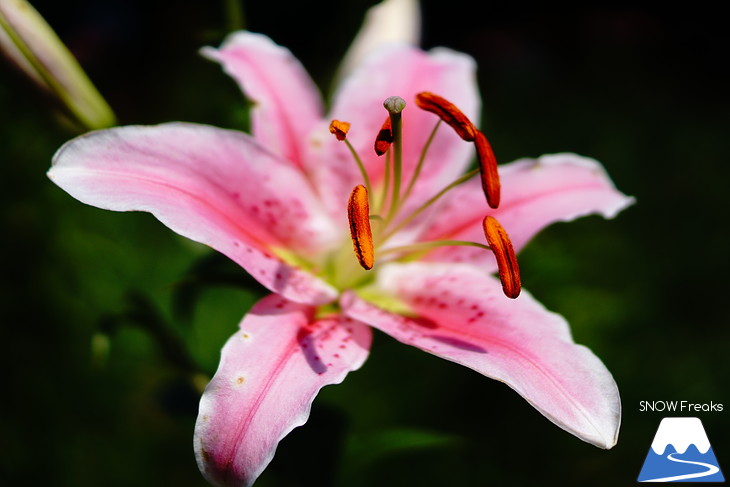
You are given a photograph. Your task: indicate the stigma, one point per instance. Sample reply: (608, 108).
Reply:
(393, 191)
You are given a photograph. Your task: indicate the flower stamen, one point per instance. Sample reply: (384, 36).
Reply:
(339, 130)
(384, 138)
(488, 169)
(424, 247)
(358, 214)
(421, 160)
(501, 245)
(449, 113)
(431, 201)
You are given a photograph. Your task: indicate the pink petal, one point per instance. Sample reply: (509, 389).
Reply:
(269, 374)
(461, 315)
(286, 102)
(390, 21)
(535, 193)
(403, 71)
(211, 185)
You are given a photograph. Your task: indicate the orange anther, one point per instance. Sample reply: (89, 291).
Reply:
(501, 245)
(358, 214)
(488, 169)
(384, 138)
(339, 129)
(447, 112)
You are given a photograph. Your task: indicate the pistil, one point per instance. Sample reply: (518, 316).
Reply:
(395, 106)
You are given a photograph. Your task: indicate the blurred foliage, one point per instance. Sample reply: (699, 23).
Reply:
(108, 316)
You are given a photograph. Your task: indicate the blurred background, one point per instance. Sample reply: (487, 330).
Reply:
(107, 315)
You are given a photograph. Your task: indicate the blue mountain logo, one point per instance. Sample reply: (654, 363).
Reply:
(681, 452)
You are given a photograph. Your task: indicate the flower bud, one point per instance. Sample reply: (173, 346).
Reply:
(28, 41)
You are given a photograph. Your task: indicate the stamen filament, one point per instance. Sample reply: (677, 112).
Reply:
(417, 171)
(431, 201)
(426, 246)
(365, 177)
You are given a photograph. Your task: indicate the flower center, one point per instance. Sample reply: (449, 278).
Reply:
(369, 241)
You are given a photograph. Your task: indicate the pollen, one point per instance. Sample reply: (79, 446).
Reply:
(488, 169)
(339, 129)
(384, 138)
(358, 214)
(501, 245)
(449, 113)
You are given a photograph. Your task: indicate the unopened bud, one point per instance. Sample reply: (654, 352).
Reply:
(34, 47)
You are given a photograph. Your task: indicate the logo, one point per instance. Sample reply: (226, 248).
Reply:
(681, 452)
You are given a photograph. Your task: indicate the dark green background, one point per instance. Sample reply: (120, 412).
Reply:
(642, 90)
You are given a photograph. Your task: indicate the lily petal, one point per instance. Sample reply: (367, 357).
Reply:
(269, 374)
(458, 313)
(396, 70)
(286, 102)
(390, 21)
(214, 186)
(535, 194)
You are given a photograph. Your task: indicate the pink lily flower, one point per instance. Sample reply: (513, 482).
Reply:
(276, 202)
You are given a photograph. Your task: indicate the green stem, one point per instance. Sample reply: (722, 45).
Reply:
(234, 14)
(96, 113)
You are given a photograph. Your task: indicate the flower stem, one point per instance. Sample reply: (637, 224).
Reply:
(234, 14)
